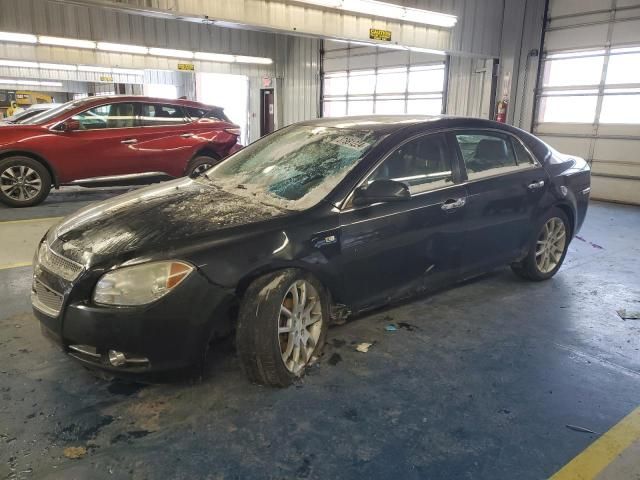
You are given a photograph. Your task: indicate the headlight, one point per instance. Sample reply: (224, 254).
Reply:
(140, 284)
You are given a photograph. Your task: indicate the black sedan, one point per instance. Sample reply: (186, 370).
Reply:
(302, 228)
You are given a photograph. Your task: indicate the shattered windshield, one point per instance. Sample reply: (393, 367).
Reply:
(295, 167)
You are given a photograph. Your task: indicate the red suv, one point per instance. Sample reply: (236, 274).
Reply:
(117, 140)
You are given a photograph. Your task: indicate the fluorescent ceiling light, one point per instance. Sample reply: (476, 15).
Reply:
(57, 66)
(214, 57)
(19, 64)
(122, 48)
(127, 71)
(17, 37)
(261, 60)
(90, 68)
(427, 50)
(11, 81)
(388, 10)
(66, 42)
(168, 52)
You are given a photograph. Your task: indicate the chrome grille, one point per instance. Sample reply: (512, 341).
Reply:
(45, 299)
(57, 264)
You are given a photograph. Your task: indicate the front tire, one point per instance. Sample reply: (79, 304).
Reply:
(282, 325)
(548, 248)
(24, 182)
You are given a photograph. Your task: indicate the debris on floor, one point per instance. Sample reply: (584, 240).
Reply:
(580, 429)
(391, 327)
(335, 359)
(74, 452)
(625, 315)
(363, 347)
(407, 326)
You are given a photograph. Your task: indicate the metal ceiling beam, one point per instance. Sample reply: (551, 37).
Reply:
(280, 16)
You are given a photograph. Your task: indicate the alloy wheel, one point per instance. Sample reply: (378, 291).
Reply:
(200, 169)
(20, 182)
(550, 245)
(299, 325)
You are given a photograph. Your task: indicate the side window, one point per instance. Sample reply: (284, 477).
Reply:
(153, 114)
(195, 113)
(522, 155)
(423, 164)
(115, 115)
(491, 153)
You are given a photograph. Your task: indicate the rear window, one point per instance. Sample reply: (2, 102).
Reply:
(216, 114)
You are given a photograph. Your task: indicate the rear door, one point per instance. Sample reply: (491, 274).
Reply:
(505, 185)
(393, 249)
(165, 142)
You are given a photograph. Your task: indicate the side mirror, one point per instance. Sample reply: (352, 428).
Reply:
(69, 125)
(381, 191)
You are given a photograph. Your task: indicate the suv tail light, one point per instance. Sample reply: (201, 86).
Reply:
(233, 131)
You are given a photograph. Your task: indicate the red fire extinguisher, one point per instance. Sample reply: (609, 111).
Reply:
(501, 110)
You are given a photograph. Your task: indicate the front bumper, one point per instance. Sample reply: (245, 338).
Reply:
(169, 334)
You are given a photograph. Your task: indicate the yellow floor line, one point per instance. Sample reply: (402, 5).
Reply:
(15, 265)
(588, 464)
(32, 220)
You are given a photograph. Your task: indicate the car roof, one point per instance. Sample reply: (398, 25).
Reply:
(142, 98)
(391, 123)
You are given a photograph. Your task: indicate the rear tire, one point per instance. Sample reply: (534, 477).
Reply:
(24, 182)
(547, 249)
(200, 164)
(282, 325)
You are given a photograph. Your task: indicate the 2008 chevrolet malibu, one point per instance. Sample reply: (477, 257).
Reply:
(305, 226)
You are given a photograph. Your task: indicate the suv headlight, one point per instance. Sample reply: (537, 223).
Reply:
(140, 284)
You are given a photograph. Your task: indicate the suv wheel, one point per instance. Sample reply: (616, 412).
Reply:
(24, 182)
(282, 325)
(200, 164)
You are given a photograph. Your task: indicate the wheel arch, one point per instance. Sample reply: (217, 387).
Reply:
(205, 150)
(34, 156)
(571, 215)
(247, 279)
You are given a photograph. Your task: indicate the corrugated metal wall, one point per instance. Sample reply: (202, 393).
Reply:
(469, 89)
(301, 82)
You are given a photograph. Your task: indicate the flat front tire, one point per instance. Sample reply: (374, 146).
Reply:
(547, 249)
(24, 182)
(282, 325)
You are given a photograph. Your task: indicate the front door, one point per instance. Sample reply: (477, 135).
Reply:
(505, 185)
(391, 250)
(101, 146)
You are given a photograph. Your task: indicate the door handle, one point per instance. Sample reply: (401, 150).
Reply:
(536, 185)
(129, 141)
(453, 203)
(186, 135)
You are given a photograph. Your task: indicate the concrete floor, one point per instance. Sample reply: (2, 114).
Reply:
(480, 383)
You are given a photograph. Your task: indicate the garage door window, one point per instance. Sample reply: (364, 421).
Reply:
(384, 91)
(591, 86)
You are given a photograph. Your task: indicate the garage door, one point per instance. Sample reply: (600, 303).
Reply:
(362, 80)
(588, 103)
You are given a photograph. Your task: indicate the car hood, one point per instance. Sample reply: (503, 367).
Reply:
(154, 218)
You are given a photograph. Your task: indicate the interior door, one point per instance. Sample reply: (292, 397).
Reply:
(393, 249)
(267, 111)
(505, 185)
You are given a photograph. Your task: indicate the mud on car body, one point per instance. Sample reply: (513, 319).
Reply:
(316, 220)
